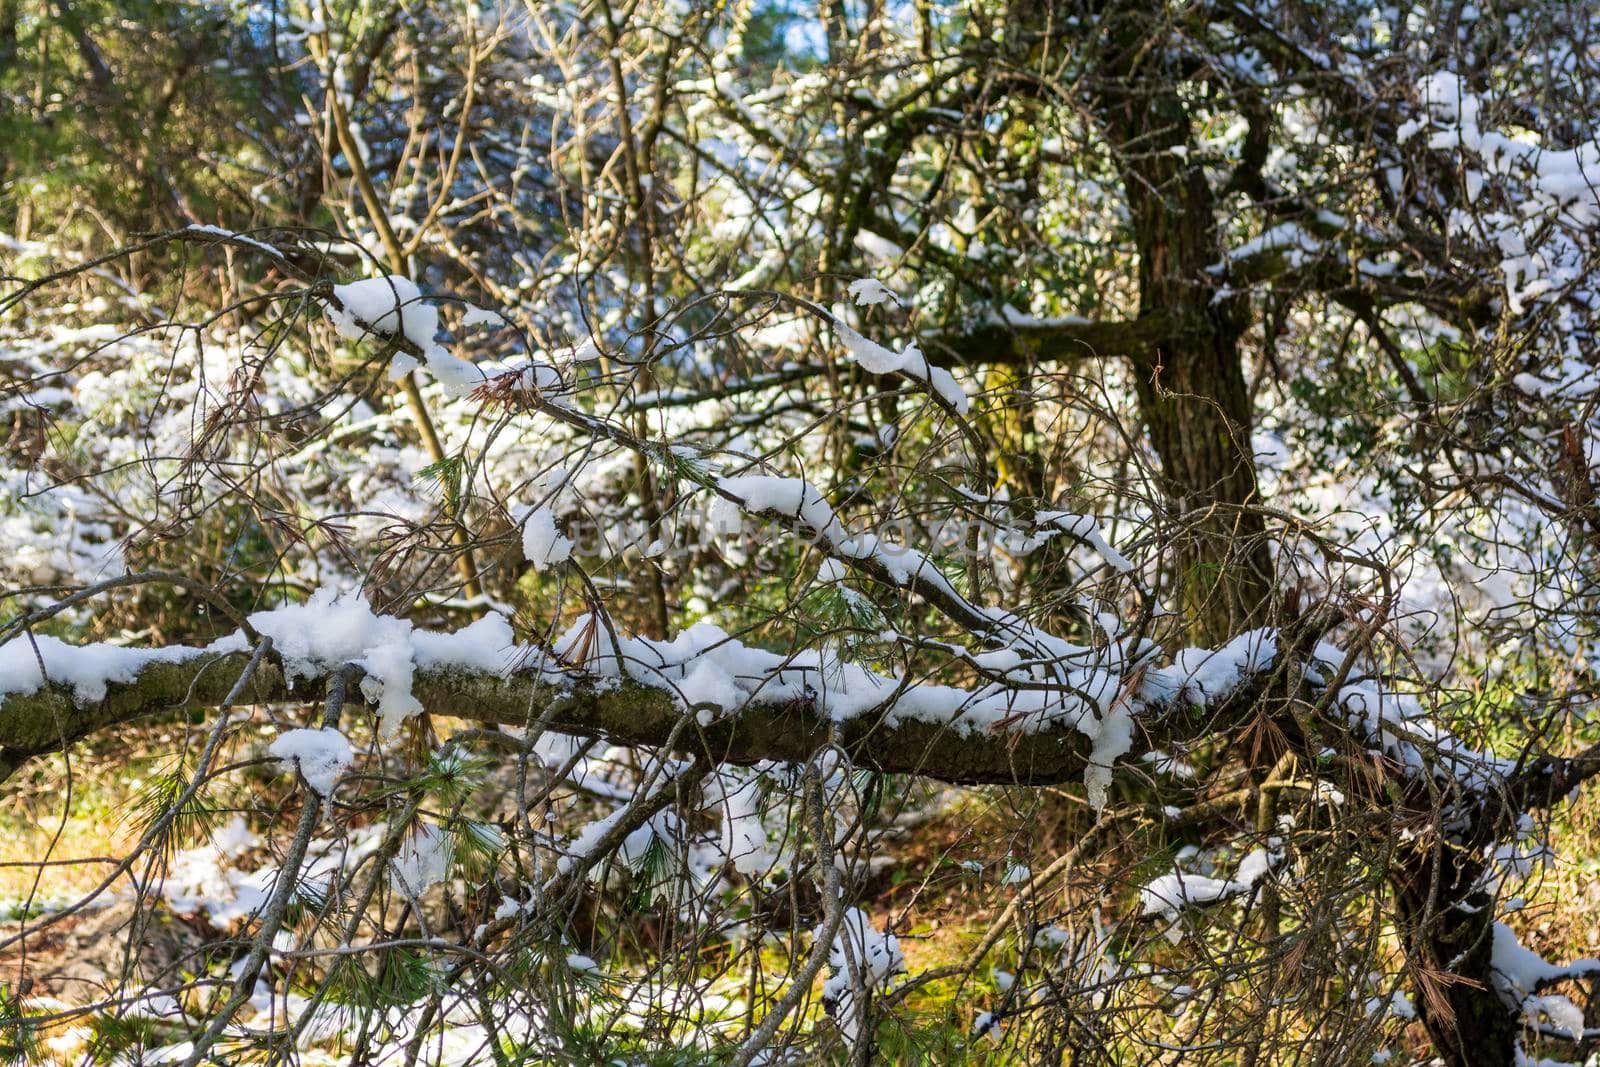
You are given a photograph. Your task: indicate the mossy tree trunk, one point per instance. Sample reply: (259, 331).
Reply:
(1191, 384)
(1447, 927)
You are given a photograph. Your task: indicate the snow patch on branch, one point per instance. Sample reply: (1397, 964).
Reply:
(1206, 675)
(1518, 973)
(1400, 726)
(391, 306)
(1084, 528)
(1169, 894)
(321, 755)
(229, 235)
(861, 959)
(635, 846)
(876, 359)
(87, 669)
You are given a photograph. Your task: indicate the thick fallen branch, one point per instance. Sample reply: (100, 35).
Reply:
(630, 712)
(626, 713)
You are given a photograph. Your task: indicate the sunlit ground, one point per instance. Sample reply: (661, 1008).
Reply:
(85, 815)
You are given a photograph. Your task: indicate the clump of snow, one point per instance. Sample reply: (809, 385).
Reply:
(860, 956)
(1399, 724)
(322, 756)
(542, 544)
(422, 860)
(511, 907)
(736, 797)
(477, 316)
(1112, 740)
(1167, 895)
(877, 954)
(876, 359)
(1558, 1011)
(588, 839)
(587, 351)
(1289, 238)
(330, 630)
(1396, 1004)
(1519, 858)
(387, 305)
(486, 644)
(393, 305)
(869, 291)
(1209, 675)
(1518, 971)
(535, 375)
(786, 496)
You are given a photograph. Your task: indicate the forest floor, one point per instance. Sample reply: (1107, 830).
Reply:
(936, 894)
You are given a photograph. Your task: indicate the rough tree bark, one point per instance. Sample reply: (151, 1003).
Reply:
(1186, 355)
(1447, 926)
(1192, 394)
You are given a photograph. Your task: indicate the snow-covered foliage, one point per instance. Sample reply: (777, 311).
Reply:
(677, 532)
(862, 960)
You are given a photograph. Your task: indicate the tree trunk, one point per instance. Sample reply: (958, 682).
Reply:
(1191, 388)
(1191, 385)
(8, 38)
(1448, 934)
(1193, 401)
